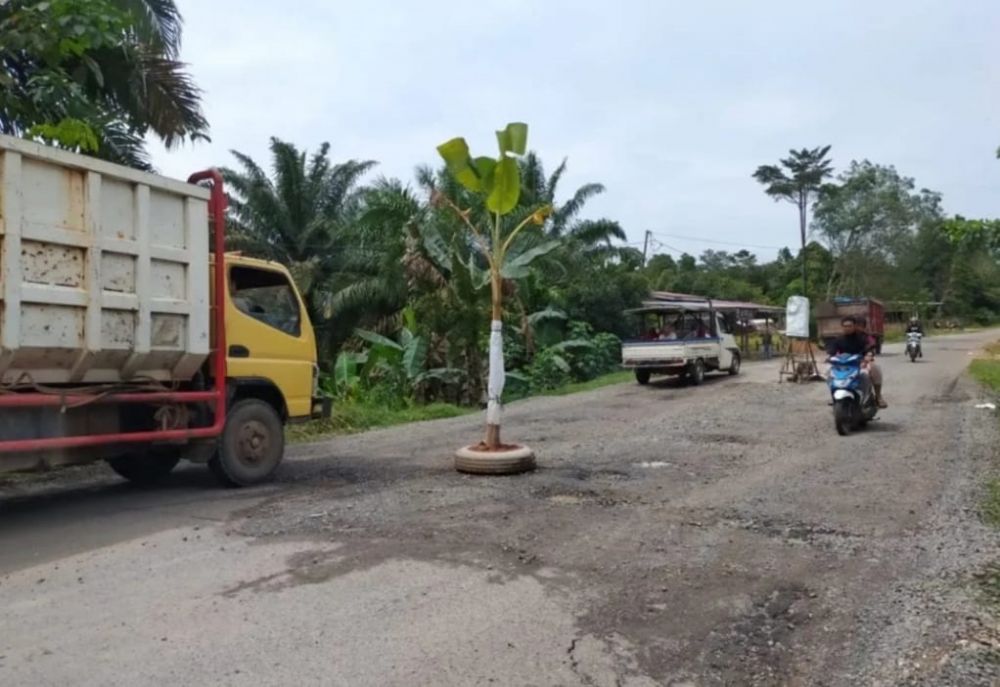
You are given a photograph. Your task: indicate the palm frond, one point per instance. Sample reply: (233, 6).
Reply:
(592, 232)
(157, 23)
(566, 212)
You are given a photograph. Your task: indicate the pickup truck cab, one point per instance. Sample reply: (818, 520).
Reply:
(685, 339)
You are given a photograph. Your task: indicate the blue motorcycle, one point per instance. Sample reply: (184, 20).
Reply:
(854, 402)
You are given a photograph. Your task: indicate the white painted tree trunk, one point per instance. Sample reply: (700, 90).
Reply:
(495, 383)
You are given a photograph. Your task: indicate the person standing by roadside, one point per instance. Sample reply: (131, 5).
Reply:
(766, 341)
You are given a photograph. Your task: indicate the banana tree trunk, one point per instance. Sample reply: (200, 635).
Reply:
(495, 383)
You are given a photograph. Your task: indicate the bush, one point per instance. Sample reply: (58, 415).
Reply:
(549, 370)
(600, 356)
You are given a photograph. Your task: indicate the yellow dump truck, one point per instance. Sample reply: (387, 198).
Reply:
(128, 334)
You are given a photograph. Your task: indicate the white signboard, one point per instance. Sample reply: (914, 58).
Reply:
(797, 317)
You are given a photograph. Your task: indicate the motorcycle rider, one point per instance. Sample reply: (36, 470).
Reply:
(915, 326)
(853, 341)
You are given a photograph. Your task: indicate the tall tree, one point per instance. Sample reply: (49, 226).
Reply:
(96, 76)
(797, 179)
(869, 220)
(308, 215)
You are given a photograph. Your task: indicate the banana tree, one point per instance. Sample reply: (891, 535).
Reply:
(495, 183)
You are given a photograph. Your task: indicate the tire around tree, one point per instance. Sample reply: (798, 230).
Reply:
(252, 444)
(148, 465)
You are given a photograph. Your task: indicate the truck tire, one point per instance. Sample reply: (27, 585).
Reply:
(696, 372)
(252, 444)
(146, 466)
(642, 376)
(734, 366)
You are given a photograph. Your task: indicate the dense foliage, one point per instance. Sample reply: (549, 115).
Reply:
(398, 288)
(96, 76)
(401, 293)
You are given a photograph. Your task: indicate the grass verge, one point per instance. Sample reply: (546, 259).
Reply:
(986, 371)
(351, 417)
(609, 379)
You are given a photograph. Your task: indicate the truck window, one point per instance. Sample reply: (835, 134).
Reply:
(267, 296)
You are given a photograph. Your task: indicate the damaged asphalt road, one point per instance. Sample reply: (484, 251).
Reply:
(719, 535)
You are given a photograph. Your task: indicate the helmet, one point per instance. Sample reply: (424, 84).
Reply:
(913, 319)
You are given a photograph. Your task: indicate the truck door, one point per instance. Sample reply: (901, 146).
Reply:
(269, 335)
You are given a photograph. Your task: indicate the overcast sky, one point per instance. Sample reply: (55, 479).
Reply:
(671, 105)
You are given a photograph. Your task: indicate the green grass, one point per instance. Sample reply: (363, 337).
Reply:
(351, 417)
(991, 503)
(609, 379)
(986, 370)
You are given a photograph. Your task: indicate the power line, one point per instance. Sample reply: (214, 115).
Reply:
(697, 239)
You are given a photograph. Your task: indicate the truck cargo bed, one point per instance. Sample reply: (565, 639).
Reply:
(103, 271)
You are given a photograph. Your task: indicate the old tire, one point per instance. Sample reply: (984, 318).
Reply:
(510, 462)
(696, 374)
(642, 376)
(252, 444)
(146, 466)
(734, 366)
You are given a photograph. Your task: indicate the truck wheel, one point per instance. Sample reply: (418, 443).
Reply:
(696, 375)
(147, 466)
(251, 446)
(734, 366)
(642, 376)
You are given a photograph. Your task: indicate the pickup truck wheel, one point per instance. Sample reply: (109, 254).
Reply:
(148, 465)
(696, 375)
(252, 444)
(642, 376)
(734, 366)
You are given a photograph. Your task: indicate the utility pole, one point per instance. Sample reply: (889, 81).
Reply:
(645, 246)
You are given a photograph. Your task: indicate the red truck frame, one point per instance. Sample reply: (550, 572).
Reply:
(216, 396)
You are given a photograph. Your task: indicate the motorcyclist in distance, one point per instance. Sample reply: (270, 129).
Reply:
(915, 326)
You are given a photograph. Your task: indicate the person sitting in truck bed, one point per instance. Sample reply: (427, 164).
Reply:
(667, 333)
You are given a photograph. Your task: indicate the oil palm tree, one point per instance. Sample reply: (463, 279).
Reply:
(564, 223)
(315, 217)
(109, 67)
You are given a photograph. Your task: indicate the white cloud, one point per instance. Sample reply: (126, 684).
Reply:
(671, 105)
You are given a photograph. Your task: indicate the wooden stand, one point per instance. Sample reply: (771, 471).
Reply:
(800, 362)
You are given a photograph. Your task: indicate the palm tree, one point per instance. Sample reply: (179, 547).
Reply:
(797, 179)
(588, 235)
(316, 218)
(126, 83)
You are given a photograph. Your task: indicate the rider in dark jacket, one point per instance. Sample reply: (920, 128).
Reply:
(915, 326)
(856, 342)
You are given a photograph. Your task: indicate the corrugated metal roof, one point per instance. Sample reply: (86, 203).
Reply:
(685, 299)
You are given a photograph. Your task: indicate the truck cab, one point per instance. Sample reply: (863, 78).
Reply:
(270, 344)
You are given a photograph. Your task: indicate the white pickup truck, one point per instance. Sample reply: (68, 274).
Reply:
(686, 339)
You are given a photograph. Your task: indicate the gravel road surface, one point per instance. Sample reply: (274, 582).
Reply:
(718, 535)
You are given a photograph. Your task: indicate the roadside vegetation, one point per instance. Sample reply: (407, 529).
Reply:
(986, 370)
(400, 293)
